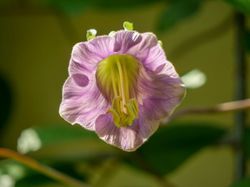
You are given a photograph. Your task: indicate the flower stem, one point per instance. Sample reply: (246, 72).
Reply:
(219, 108)
(46, 170)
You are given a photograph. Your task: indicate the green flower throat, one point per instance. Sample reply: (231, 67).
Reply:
(117, 78)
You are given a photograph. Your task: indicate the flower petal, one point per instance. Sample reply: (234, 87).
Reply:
(160, 93)
(86, 55)
(126, 138)
(141, 51)
(102, 46)
(156, 59)
(80, 79)
(80, 91)
(125, 40)
(83, 61)
(135, 44)
(79, 103)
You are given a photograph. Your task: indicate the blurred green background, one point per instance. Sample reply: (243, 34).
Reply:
(36, 38)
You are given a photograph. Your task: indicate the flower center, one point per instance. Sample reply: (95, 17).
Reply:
(117, 78)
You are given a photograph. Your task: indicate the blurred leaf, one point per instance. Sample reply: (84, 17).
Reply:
(54, 134)
(241, 5)
(62, 143)
(194, 79)
(242, 183)
(35, 178)
(72, 6)
(174, 144)
(33, 181)
(247, 41)
(176, 12)
(63, 147)
(23, 176)
(12, 168)
(75, 6)
(122, 4)
(10, 172)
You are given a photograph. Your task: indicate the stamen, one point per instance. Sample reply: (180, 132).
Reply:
(122, 86)
(116, 77)
(114, 86)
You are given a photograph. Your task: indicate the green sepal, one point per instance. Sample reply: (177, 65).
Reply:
(128, 26)
(91, 34)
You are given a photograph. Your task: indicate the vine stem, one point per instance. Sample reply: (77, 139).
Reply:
(219, 108)
(240, 90)
(48, 171)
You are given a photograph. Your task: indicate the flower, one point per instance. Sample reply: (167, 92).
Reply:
(121, 86)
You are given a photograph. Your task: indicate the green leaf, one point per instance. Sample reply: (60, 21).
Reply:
(247, 41)
(34, 138)
(242, 183)
(241, 5)
(176, 12)
(173, 145)
(69, 149)
(62, 133)
(62, 143)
